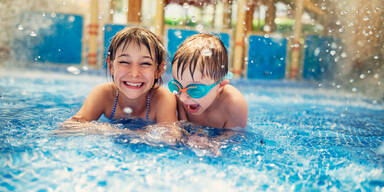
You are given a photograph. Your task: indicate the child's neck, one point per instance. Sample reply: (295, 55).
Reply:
(138, 105)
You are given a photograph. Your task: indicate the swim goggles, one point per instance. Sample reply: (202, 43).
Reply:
(195, 91)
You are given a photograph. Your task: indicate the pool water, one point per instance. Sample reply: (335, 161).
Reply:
(299, 138)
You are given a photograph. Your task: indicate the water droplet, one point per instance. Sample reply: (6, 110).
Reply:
(362, 76)
(267, 28)
(333, 52)
(178, 34)
(351, 80)
(366, 18)
(206, 52)
(71, 19)
(186, 5)
(73, 70)
(266, 35)
(316, 52)
(199, 27)
(174, 92)
(33, 34)
(222, 66)
(127, 110)
(323, 7)
(376, 57)
(194, 19)
(376, 76)
(338, 22)
(20, 27)
(343, 55)
(354, 89)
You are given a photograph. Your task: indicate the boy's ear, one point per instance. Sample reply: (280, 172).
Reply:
(222, 83)
(161, 70)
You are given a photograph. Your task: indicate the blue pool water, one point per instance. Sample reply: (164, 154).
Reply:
(299, 138)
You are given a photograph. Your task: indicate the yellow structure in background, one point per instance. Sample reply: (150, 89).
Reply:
(238, 53)
(93, 29)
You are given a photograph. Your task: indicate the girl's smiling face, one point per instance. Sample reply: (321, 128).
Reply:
(134, 70)
(192, 105)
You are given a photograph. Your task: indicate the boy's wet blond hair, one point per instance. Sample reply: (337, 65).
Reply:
(139, 36)
(204, 50)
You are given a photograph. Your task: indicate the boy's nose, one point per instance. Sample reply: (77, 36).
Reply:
(184, 97)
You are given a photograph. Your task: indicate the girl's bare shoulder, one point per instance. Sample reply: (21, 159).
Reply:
(163, 95)
(104, 91)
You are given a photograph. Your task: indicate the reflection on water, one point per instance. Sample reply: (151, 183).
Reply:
(203, 141)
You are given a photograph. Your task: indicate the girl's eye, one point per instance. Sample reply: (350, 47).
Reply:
(146, 63)
(123, 62)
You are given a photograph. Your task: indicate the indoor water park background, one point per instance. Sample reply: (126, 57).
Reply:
(311, 72)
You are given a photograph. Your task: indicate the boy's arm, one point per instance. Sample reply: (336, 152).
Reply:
(165, 106)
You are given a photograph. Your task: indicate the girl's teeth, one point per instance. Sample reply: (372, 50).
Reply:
(133, 84)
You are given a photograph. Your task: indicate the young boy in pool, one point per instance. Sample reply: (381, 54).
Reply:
(204, 96)
(136, 60)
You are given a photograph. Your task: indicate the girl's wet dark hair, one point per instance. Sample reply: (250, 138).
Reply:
(204, 50)
(139, 36)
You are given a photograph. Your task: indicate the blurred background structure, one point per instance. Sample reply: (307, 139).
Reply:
(339, 43)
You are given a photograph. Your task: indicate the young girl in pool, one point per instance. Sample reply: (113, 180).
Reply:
(136, 61)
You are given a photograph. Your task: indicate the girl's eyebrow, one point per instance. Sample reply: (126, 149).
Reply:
(147, 57)
(124, 55)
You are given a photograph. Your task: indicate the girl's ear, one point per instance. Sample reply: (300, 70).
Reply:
(110, 66)
(161, 70)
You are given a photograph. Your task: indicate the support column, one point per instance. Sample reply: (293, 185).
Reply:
(249, 17)
(295, 44)
(238, 55)
(270, 17)
(226, 14)
(112, 8)
(93, 29)
(134, 11)
(159, 19)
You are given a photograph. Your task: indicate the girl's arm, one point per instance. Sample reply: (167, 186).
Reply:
(96, 103)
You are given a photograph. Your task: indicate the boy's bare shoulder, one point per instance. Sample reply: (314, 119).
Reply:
(231, 95)
(161, 94)
(236, 106)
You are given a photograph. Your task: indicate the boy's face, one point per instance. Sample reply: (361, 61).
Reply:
(195, 106)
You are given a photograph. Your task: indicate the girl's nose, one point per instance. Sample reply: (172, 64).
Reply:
(134, 71)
